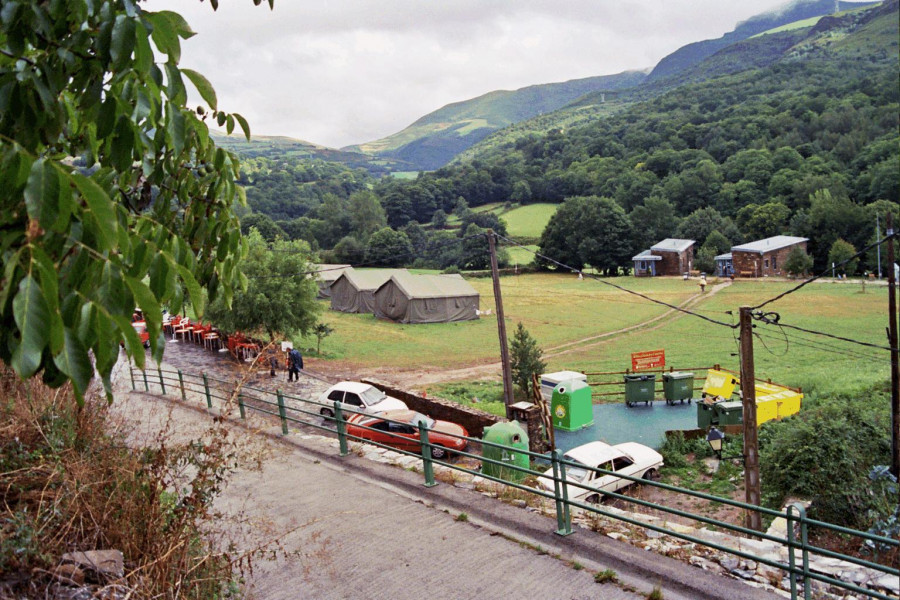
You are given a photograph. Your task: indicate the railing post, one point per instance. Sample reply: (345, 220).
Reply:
(282, 414)
(241, 406)
(792, 559)
(341, 428)
(162, 384)
(181, 385)
(206, 390)
(804, 545)
(427, 465)
(561, 495)
(146, 383)
(131, 373)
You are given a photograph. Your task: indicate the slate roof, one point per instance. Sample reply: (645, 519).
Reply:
(673, 245)
(769, 244)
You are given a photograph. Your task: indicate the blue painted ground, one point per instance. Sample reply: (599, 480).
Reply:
(617, 423)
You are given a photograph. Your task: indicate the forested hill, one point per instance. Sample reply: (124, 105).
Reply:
(433, 140)
(806, 146)
(692, 54)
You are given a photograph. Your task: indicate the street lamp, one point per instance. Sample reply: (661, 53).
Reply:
(715, 439)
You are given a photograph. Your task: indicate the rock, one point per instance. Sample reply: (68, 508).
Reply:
(108, 564)
(616, 535)
(748, 565)
(888, 582)
(730, 563)
(743, 573)
(652, 533)
(519, 503)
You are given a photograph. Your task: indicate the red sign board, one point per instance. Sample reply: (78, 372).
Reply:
(653, 359)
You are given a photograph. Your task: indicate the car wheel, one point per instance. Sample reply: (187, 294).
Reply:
(593, 499)
(327, 413)
(439, 452)
(651, 475)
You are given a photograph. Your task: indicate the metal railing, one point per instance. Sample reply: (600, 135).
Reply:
(311, 413)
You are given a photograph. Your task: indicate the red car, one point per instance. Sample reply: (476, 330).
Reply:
(400, 429)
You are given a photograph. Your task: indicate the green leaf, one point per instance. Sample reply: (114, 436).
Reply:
(203, 86)
(123, 40)
(175, 89)
(133, 344)
(193, 288)
(164, 35)
(75, 363)
(122, 150)
(143, 54)
(42, 193)
(175, 129)
(31, 315)
(148, 304)
(180, 26)
(245, 126)
(50, 286)
(101, 208)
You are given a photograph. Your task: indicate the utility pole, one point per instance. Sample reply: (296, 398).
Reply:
(878, 247)
(892, 342)
(752, 519)
(501, 327)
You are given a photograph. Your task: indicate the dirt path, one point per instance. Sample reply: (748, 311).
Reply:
(416, 380)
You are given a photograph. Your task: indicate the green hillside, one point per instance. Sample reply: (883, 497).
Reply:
(282, 147)
(436, 138)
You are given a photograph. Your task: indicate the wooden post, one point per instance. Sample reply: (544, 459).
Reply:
(501, 328)
(895, 360)
(752, 520)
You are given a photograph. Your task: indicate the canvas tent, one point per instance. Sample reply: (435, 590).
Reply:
(354, 290)
(409, 298)
(326, 275)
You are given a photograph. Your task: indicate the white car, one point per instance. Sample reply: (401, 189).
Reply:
(630, 458)
(359, 397)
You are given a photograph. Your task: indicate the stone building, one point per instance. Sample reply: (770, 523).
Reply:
(764, 258)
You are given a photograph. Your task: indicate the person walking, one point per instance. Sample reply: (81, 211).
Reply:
(273, 363)
(295, 363)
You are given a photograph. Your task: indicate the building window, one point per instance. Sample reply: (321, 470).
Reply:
(767, 263)
(774, 263)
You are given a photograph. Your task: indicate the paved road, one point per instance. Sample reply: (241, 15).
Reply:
(351, 528)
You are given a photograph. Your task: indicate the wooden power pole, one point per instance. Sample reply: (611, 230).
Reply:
(501, 328)
(892, 342)
(753, 519)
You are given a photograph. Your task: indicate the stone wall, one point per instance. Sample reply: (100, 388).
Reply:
(474, 420)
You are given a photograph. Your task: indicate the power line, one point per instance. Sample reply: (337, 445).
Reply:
(618, 287)
(825, 273)
(775, 320)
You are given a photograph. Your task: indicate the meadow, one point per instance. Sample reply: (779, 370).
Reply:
(563, 314)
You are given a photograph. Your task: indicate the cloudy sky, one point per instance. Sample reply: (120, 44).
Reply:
(340, 72)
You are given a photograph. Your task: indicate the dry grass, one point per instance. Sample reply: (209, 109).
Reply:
(67, 484)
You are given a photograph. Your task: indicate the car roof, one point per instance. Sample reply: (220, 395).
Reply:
(594, 453)
(351, 386)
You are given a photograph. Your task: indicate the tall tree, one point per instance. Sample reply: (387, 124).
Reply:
(587, 230)
(366, 214)
(525, 360)
(280, 297)
(81, 80)
(389, 248)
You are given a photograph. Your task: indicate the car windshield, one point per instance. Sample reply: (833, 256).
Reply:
(373, 396)
(420, 418)
(576, 473)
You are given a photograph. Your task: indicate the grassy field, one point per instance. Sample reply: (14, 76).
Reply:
(529, 220)
(558, 309)
(520, 255)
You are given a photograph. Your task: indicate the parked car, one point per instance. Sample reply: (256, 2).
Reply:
(400, 429)
(360, 397)
(630, 458)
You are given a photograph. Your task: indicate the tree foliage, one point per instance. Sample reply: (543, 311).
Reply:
(525, 359)
(147, 221)
(841, 256)
(589, 231)
(798, 262)
(280, 296)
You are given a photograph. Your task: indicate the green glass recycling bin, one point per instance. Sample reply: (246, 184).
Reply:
(706, 415)
(639, 388)
(571, 405)
(514, 442)
(678, 386)
(730, 413)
